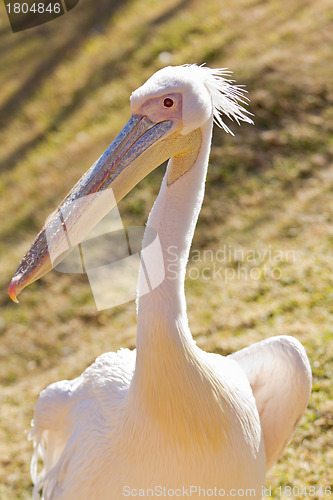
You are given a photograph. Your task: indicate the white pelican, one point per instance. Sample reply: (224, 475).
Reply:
(167, 419)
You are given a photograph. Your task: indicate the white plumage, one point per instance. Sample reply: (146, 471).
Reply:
(170, 414)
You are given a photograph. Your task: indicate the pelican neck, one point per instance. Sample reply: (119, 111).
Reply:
(162, 314)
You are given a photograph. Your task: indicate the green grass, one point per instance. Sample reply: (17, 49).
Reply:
(64, 94)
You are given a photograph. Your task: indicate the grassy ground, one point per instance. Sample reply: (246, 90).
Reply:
(64, 91)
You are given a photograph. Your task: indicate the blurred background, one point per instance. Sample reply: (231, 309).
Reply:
(64, 95)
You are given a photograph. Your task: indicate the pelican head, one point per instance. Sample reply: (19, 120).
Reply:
(167, 113)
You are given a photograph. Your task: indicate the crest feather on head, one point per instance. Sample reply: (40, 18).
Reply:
(227, 98)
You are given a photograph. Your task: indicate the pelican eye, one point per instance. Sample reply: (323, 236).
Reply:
(168, 102)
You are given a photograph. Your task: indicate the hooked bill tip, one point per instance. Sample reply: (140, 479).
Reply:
(12, 290)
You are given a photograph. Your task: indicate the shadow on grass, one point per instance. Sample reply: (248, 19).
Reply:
(114, 67)
(76, 28)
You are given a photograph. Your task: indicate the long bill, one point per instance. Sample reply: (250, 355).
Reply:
(140, 147)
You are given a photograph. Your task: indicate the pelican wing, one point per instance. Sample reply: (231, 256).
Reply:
(280, 377)
(66, 409)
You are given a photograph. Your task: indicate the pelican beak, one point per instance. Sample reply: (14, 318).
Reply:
(140, 147)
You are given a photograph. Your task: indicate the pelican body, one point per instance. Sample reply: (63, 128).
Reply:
(166, 419)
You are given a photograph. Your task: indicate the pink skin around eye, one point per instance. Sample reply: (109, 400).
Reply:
(162, 108)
